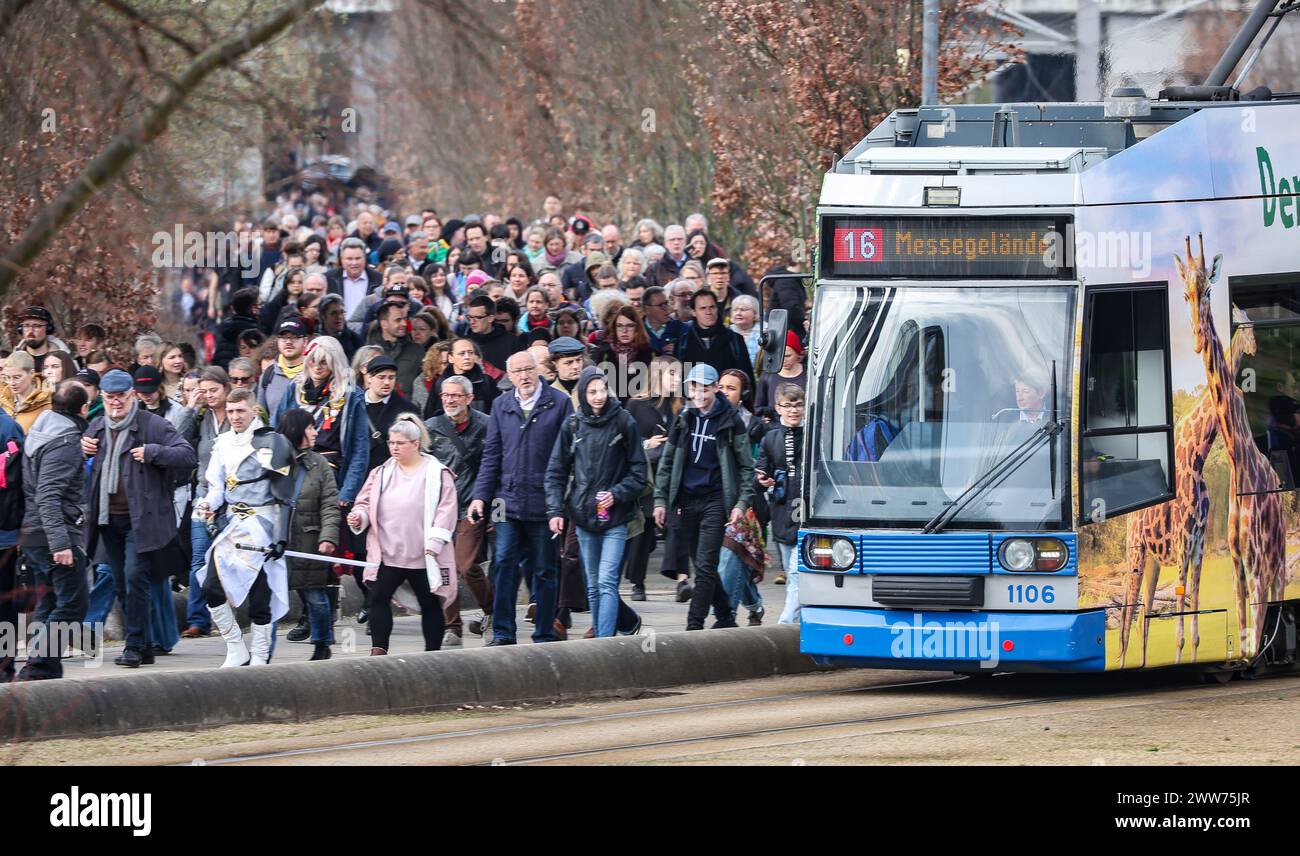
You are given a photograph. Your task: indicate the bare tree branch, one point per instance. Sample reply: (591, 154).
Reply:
(9, 12)
(119, 151)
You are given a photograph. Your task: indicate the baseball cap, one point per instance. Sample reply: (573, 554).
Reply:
(89, 376)
(703, 374)
(397, 291)
(147, 379)
(414, 220)
(117, 381)
(566, 346)
(580, 225)
(380, 363)
(292, 327)
(391, 226)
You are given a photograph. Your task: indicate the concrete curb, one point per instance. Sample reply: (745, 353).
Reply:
(405, 683)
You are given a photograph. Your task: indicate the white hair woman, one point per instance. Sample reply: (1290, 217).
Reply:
(326, 390)
(409, 548)
(630, 264)
(744, 320)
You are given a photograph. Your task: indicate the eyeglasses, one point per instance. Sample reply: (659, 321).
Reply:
(453, 396)
(241, 379)
(32, 325)
(625, 326)
(476, 317)
(791, 405)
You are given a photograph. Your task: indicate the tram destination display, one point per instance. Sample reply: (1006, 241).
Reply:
(945, 247)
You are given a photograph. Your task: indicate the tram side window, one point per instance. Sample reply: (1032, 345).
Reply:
(1127, 427)
(1265, 350)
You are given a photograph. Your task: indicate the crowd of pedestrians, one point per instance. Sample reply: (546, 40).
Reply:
(432, 406)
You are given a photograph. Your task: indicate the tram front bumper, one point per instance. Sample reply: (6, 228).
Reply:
(955, 641)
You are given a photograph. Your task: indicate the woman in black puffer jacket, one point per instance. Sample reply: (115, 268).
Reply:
(595, 478)
(314, 529)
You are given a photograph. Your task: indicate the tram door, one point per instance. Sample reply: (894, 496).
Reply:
(1266, 313)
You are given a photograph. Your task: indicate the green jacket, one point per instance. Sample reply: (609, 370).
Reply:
(734, 456)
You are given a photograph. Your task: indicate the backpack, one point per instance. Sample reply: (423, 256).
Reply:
(870, 443)
(12, 503)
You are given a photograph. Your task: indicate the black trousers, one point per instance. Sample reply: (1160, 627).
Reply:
(259, 596)
(8, 609)
(388, 581)
(700, 522)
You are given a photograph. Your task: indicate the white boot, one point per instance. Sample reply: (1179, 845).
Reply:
(236, 651)
(261, 647)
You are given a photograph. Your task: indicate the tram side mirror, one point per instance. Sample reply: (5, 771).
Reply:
(773, 341)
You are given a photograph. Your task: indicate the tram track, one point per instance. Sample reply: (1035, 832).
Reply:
(486, 741)
(913, 716)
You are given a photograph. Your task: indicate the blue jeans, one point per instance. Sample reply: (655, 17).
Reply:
(102, 595)
(162, 615)
(130, 579)
(524, 548)
(789, 615)
(197, 615)
(739, 583)
(602, 563)
(59, 613)
(319, 615)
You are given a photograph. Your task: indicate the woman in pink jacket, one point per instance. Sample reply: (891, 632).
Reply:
(409, 548)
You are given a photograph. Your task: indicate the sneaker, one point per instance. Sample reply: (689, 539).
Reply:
(451, 639)
(301, 631)
(684, 591)
(363, 615)
(638, 592)
(478, 625)
(779, 580)
(756, 616)
(636, 628)
(321, 652)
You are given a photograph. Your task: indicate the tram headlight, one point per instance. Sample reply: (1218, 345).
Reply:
(1017, 554)
(1047, 555)
(829, 553)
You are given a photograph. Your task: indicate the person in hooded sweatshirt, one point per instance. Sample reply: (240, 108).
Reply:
(599, 448)
(54, 483)
(707, 341)
(706, 477)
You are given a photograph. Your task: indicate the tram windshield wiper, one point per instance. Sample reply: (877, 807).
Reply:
(1004, 467)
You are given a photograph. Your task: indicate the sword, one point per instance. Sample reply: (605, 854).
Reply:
(311, 557)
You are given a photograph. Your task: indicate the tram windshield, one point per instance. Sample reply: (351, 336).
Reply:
(920, 391)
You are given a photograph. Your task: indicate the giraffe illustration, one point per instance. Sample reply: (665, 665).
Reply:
(1173, 533)
(1256, 526)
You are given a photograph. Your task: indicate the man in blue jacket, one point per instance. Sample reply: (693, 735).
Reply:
(512, 479)
(11, 518)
